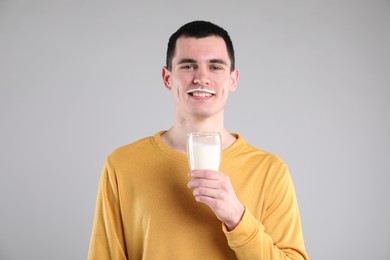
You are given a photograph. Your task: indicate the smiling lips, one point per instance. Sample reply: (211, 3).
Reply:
(201, 92)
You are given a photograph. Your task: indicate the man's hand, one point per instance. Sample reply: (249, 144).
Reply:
(216, 191)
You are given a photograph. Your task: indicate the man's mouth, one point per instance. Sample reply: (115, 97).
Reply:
(201, 92)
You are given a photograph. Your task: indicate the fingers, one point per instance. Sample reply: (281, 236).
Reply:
(215, 190)
(209, 184)
(205, 174)
(208, 192)
(208, 179)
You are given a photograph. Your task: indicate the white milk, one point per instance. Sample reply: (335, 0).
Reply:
(205, 156)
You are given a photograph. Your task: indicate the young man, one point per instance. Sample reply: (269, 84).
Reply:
(151, 206)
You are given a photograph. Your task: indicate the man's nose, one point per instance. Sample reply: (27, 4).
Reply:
(201, 77)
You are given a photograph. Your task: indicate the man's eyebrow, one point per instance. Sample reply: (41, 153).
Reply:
(186, 60)
(189, 60)
(219, 61)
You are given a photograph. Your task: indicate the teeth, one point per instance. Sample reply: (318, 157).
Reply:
(201, 94)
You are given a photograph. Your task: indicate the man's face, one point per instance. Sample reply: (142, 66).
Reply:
(200, 79)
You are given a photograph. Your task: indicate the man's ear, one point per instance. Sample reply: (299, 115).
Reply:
(234, 75)
(166, 77)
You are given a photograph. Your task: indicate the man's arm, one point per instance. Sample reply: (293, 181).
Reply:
(278, 236)
(107, 240)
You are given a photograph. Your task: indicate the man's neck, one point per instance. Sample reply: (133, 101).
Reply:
(176, 136)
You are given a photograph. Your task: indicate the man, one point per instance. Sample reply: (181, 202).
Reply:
(151, 206)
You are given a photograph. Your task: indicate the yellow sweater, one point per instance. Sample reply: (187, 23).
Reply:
(144, 209)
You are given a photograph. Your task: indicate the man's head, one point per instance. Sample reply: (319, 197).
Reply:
(199, 29)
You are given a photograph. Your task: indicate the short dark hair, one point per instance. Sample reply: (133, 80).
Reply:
(199, 29)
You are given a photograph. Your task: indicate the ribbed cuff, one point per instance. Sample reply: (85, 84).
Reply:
(245, 231)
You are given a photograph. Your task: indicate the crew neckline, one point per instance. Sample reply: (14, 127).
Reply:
(175, 155)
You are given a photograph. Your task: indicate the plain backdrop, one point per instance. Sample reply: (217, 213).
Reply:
(81, 78)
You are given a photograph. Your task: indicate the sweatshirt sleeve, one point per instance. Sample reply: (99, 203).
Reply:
(278, 235)
(107, 239)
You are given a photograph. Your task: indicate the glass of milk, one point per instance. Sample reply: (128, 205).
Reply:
(204, 150)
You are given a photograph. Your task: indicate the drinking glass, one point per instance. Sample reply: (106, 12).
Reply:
(204, 150)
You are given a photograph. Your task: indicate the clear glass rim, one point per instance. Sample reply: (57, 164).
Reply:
(203, 133)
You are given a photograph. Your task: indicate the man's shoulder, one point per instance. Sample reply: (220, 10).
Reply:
(258, 153)
(137, 147)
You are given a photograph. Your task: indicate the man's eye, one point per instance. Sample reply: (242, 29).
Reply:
(216, 68)
(187, 67)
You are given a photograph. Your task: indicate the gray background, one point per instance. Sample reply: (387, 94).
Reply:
(80, 78)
